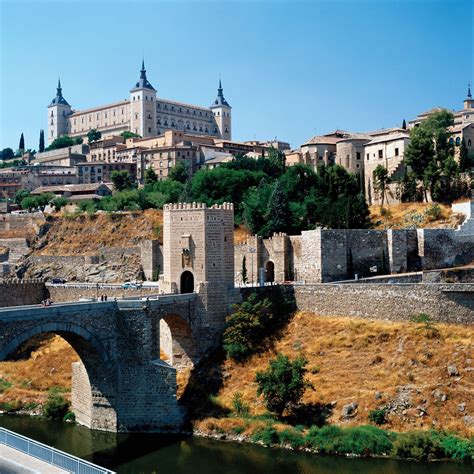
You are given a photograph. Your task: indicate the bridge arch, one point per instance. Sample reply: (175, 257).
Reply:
(93, 378)
(177, 342)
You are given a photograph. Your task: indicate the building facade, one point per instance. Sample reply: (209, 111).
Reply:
(142, 113)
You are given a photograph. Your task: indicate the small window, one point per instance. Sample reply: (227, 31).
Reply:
(380, 154)
(396, 152)
(469, 142)
(458, 141)
(358, 155)
(149, 129)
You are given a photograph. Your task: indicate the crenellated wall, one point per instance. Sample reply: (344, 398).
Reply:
(21, 292)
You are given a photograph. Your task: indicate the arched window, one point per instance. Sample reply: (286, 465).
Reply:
(458, 141)
(469, 143)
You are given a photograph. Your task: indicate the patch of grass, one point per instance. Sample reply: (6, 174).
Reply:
(418, 446)
(4, 385)
(267, 436)
(378, 416)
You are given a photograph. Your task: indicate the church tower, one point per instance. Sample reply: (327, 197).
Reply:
(468, 101)
(143, 107)
(222, 114)
(58, 113)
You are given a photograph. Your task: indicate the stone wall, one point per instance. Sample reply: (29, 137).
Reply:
(13, 222)
(446, 303)
(151, 255)
(21, 292)
(67, 293)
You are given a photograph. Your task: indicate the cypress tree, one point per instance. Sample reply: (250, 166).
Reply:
(244, 270)
(464, 164)
(21, 146)
(278, 212)
(404, 125)
(41, 141)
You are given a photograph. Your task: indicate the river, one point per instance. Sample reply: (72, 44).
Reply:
(157, 454)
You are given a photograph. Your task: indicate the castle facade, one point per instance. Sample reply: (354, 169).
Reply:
(142, 113)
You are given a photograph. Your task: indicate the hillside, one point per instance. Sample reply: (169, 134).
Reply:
(414, 214)
(371, 363)
(86, 234)
(374, 364)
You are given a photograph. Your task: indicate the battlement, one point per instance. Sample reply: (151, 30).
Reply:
(187, 206)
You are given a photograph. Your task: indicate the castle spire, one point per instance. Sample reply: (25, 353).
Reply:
(469, 95)
(143, 82)
(220, 96)
(59, 99)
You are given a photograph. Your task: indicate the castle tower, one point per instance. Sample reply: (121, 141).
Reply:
(58, 112)
(468, 101)
(222, 114)
(198, 247)
(143, 106)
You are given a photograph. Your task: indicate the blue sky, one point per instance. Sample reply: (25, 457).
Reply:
(290, 69)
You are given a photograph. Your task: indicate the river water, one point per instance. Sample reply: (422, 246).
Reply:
(159, 454)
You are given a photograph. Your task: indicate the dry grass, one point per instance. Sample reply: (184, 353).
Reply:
(49, 366)
(350, 359)
(241, 233)
(399, 216)
(86, 235)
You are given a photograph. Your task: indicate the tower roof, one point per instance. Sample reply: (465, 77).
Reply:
(143, 82)
(59, 99)
(220, 100)
(469, 95)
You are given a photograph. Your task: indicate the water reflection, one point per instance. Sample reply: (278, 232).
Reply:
(147, 454)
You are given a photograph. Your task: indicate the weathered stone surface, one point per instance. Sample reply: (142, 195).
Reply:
(350, 410)
(452, 370)
(439, 395)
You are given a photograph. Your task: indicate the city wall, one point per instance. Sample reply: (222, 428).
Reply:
(446, 303)
(21, 292)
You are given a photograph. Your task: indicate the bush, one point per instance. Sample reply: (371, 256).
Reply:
(378, 416)
(457, 448)
(292, 437)
(433, 212)
(362, 440)
(418, 446)
(56, 407)
(4, 385)
(267, 436)
(283, 383)
(246, 327)
(240, 408)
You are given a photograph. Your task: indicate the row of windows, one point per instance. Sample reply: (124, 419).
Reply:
(180, 109)
(146, 98)
(458, 141)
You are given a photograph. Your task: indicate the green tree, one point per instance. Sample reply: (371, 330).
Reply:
(29, 203)
(93, 135)
(78, 141)
(7, 154)
(150, 176)
(21, 145)
(246, 327)
(20, 195)
(41, 141)
(283, 383)
(61, 142)
(244, 269)
(126, 135)
(122, 180)
(278, 212)
(277, 160)
(381, 180)
(179, 172)
(59, 203)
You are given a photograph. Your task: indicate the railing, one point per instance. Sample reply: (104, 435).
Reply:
(50, 455)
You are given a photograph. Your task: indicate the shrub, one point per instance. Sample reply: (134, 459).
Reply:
(378, 416)
(267, 436)
(418, 445)
(292, 437)
(4, 385)
(433, 212)
(70, 417)
(283, 383)
(56, 407)
(457, 448)
(246, 327)
(361, 440)
(240, 408)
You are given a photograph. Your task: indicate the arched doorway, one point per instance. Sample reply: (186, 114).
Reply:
(270, 272)
(187, 282)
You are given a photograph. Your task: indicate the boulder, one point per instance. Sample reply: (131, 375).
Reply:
(350, 410)
(452, 370)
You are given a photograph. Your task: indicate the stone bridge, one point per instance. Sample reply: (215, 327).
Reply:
(121, 383)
